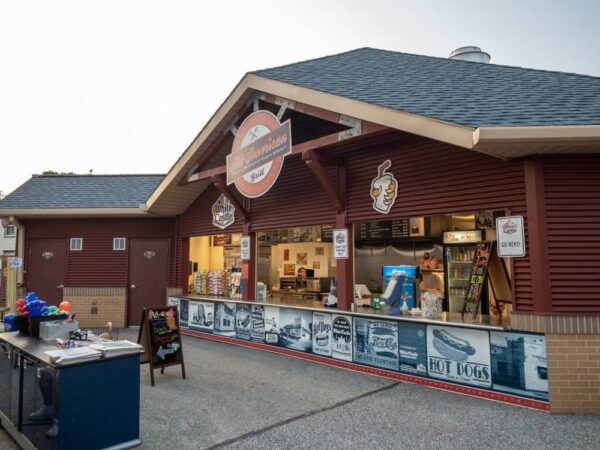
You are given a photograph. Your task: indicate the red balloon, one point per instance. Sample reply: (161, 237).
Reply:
(65, 306)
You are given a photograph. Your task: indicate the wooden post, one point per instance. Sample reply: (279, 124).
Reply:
(184, 261)
(249, 268)
(538, 235)
(345, 268)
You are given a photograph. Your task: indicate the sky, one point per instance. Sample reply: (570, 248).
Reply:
(124, 86)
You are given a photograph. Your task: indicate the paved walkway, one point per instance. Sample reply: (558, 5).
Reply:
(238, 398)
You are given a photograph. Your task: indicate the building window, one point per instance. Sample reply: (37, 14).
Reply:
(76, 244)
(119, 243)
(10, 231)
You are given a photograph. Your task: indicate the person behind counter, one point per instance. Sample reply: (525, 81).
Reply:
(301, 278)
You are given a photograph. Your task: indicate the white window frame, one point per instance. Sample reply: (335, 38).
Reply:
(10, 227)
(76, 244)
(119, 248)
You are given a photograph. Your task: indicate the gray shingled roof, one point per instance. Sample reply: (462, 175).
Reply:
(82, 191)
(461, 92)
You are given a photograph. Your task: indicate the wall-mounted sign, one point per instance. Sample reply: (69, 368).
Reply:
(47, 255)
(341, 334)
(16, 263)
(510, 236)
(149, 254)
(245, 248)
(376, 343)
(321, 331)
(223, 212)
(459, 354)
(384, 189)
(340, 243)
(259, 148)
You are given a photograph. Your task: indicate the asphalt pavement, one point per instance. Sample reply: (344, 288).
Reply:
(239, 398)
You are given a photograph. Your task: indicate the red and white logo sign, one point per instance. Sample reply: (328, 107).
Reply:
(259, 148)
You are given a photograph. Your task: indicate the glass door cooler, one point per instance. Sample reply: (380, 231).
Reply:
(459, 250)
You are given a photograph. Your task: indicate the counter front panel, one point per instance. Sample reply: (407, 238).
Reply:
(473, 359)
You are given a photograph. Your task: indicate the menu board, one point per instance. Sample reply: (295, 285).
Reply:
(220, 240)
(327, 233)
(385, 230)
(478, 278)
(160, 337)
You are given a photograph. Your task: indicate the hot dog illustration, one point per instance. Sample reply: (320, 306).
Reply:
(451, 346)
(384, 188)
(322, 340)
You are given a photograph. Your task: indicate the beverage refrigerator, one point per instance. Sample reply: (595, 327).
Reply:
(459, 250)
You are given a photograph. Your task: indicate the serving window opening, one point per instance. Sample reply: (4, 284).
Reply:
(295, 266)
(215, 266)
(404, 266)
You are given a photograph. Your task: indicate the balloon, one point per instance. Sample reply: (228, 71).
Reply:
(52, 310)
(22, 307)
(65, 306)
(9, 320)
(37, 308)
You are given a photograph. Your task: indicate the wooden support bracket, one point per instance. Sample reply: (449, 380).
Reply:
(315, 164)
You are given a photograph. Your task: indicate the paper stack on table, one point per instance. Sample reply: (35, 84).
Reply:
(74, 355)
(116, 348)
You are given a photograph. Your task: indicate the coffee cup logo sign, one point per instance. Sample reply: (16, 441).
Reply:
(259, 148)
(223, 212)
(384, 189)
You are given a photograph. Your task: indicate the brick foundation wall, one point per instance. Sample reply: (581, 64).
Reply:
(96, 306)
(574, 373)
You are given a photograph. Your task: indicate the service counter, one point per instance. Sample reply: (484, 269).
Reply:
(94, 404)
(481, 359)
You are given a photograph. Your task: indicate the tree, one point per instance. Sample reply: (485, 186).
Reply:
(52, 172)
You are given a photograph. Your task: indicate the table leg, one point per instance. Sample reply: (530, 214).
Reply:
(21, 379)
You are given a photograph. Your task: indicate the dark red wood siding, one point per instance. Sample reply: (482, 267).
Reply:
(197, 219)
(296, 199)
(98, 265)
(434, 178)
(572, 188)
(437, 178)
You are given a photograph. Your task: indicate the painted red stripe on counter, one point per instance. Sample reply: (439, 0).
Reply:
(465, 390)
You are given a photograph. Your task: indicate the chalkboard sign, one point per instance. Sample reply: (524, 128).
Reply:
(160, 337)
(479, 274)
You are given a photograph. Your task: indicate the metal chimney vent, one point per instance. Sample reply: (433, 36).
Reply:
(470, 53)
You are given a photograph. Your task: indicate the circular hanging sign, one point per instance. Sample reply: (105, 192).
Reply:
(260, 145)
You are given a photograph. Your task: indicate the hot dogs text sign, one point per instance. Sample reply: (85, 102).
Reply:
(460, 355)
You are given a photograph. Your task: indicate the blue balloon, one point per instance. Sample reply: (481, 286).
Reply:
(9, 320)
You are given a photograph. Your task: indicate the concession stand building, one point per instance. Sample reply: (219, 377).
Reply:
(356, 177)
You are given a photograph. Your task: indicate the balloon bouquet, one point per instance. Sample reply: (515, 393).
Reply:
(32, 306)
